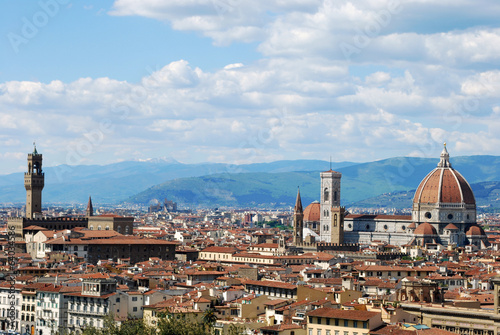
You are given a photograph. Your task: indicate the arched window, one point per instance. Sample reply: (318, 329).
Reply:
(335, 220)
(326, 194)
(98, 227)
(75, 248)
(335, 196)
(126, 230)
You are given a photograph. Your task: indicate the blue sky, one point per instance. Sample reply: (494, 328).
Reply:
(82, 40)
(98, 82)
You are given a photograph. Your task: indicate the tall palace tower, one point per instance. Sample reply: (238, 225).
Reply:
(34, 182)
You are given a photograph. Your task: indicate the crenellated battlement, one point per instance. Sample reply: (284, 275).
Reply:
(325, 246)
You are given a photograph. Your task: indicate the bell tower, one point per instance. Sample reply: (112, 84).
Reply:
(298, 221)
(34, 182)
(330, 197)
(338, 214)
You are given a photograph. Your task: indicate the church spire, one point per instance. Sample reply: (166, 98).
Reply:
(298, 203)
(445, 158)
(298, 221)
(90, 208)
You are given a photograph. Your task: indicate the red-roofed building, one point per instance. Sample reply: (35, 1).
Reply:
(331, 321)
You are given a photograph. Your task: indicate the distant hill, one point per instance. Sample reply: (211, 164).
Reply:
(114, 183)
(487, 196)
(362, 184)
(249, 185)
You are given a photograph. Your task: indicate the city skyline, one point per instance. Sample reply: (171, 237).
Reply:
(235, 82)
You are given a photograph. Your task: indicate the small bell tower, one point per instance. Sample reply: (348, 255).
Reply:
(298, 221)
(90, 208)
(34, 181)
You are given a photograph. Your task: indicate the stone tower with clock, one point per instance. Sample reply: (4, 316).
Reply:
(34, 182)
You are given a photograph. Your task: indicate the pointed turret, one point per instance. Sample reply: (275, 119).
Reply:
(444, 162)
(90, 209)
(298, 203)
(298, 221)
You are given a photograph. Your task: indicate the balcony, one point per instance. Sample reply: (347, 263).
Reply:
(87, 312)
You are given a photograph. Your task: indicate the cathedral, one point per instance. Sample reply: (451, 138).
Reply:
(443, 212)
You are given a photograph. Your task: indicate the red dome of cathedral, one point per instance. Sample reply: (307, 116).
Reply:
(312, 212)
(444, 185)
(425, 229)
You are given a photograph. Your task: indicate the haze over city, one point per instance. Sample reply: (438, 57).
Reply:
(97, 82)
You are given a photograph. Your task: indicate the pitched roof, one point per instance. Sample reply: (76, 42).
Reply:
(327, 312)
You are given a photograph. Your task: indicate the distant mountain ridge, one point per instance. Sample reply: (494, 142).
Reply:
(249, 185)
(487, 196)
(116, 182)
(359, 182)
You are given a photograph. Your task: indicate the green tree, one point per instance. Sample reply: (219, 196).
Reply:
(129, 327)
(209, 318)
(180, 324)
(235, 330)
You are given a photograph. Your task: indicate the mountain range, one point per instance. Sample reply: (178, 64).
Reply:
(390, 182)
(385, 183)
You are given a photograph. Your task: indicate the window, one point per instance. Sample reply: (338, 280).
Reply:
(327, 322)
(365, 324)
(337, 322)
(134, 309)
(319, 321)
(134, 298)
(310, 331)
(117, 299)
(318, 332)
(328, 332)
(355, 325)
(346, 323)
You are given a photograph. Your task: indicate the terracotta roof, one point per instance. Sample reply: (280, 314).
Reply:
(220, 249)
(475, 231)
(265, 245)
(446, 185)
(380, 217)
(327, 312)
(33, 227)
(269, 283)
(425, 229)
(451, 226)
(312, 212)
